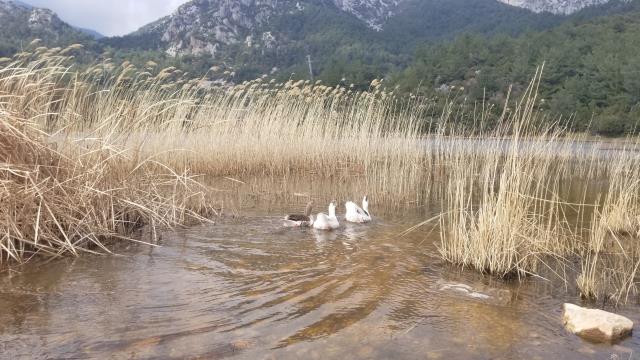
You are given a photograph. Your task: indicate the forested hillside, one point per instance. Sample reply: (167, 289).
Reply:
(340, 45)
(20, 24)
(591, 75)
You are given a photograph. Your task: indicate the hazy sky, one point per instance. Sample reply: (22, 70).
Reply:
(109, 17)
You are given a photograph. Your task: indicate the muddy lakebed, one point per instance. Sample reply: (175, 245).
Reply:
(247, 288)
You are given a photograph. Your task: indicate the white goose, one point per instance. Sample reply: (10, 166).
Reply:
(327, 222)
(356, 214)
(299, 220)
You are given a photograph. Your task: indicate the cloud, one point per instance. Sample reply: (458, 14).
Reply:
(113, 17)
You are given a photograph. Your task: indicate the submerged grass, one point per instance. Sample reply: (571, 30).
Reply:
(91, 154)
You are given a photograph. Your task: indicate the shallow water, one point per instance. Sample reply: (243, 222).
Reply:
(246, 288)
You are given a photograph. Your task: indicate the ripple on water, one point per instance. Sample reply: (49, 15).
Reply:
(248, 288)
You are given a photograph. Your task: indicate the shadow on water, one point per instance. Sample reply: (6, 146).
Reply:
(250, 289)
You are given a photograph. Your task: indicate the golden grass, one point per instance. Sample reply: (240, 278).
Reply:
(111, 147)
(503, 213)
(611, 261)
(74, 198)
(68, 197)
(257, 128)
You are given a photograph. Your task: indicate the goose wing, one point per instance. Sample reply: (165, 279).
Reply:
(355, 213)
(351, 206)
(297, 217)
(359, 210)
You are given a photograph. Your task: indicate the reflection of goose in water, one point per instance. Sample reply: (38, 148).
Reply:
(356, 214)
(351, 233)
(327, 222)
(324, 238)
(299, 220)
(355, 233)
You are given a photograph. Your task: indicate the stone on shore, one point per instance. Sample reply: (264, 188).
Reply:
(596, 325)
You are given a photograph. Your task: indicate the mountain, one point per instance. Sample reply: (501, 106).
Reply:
(563, 7)
(206, 26)
(373, 12)
(353, 39)
(212, 27)
(21, 23)
(22, 5)
(256, 36)
(93, 33)
(375, 35)
(261, 35)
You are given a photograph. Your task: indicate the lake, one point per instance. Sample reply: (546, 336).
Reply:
(247, 288)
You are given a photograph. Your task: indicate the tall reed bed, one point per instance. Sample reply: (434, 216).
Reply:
(503, 213)
(611, 262)
(110, 147)
(537, 195)
(258, 128)
(72, 196)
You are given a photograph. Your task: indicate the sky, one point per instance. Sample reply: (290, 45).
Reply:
(109, 17)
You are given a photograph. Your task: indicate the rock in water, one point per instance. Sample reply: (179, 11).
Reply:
(596, 325)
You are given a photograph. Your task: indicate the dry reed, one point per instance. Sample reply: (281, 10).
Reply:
(611, 261)
(87, 155)
(503, 213)
(68, 197)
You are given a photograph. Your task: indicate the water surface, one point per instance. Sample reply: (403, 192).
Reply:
(247, 288)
